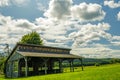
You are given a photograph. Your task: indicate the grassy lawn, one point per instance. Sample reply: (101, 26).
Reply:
(106, 72)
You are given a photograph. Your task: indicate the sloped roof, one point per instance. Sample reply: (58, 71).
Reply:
(35, 54)
(50, 55)
(18, 44)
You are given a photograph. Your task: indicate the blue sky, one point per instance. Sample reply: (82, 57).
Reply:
(89, 27)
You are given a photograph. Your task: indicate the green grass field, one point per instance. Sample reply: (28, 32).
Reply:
(106, 72)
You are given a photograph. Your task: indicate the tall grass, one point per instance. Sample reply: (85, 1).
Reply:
(107, 72)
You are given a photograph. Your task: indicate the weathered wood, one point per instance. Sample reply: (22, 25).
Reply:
(26, 67)
(15, 56)
(60, 65)
(82, 64)
(72, 66)
(19, 69)
(45, 63)
(11, 68)
(35, 68)
(43, 49)
(45, 68)
(50, 64)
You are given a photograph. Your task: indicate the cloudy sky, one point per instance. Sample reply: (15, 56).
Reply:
(91, 28)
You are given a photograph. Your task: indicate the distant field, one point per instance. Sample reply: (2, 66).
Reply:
(106, 72)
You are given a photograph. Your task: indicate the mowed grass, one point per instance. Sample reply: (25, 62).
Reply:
(106, 72)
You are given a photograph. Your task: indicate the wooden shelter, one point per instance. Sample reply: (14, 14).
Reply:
(28, 59)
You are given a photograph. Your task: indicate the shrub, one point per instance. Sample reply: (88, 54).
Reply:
(97, 64)
(2, 60)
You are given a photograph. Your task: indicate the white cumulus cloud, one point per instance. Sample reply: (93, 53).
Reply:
(11, 30)
(15, 2)
(111, 3)
(115, 40)
(89, 32)
(58, 9)
(116, 43)
(19, 2)
(41, 7)
(95, 51)
(88, 12)
(50, 29)
(23, 23)
(118, 16)
(4, 3)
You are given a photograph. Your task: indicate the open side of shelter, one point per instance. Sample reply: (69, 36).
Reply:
(28, 60)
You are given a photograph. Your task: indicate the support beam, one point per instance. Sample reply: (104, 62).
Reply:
(35, 68)
(11, 69)
(26, 67)
(41, 68)
(19, 68)
(45, 67)
(45, 63)
(72, 66)
(81, 63)
(70, 63)
(50, 64)
(60, 65)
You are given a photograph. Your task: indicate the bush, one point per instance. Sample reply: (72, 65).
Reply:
(2, 60)
(115, 60)
(97, 64)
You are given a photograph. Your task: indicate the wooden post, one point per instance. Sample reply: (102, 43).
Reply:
(45, 67)
(41, 68)
(45, 62)
(19, 68)
(81, 64)
(60, 65)
(35, 68)
(72, 66)
(11, 67)
(26, 67)
(50, 64)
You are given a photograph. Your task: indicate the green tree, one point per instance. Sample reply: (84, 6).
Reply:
(2, 60)
(32, 38)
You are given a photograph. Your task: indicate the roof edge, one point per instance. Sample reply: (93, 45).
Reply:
(12, 52)
(35, 45)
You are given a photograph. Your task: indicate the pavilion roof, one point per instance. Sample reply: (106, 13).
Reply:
(48, 55)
